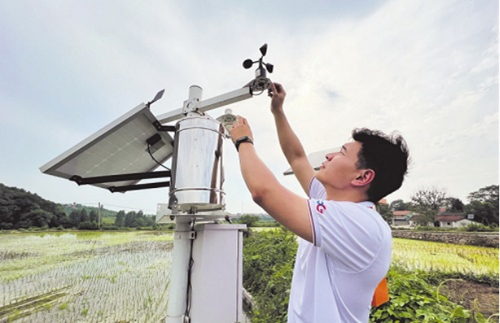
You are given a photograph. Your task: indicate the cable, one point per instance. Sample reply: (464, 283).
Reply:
(150, 154)
(189, 287)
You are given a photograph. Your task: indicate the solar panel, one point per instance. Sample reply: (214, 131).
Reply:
(316, 159)
(119, 148)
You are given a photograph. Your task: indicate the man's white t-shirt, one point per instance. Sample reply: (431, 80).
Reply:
(335, 277)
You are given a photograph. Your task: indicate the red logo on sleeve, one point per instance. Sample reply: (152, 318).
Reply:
(320, 206)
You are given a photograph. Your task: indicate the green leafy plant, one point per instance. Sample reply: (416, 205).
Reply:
(414, 300)
(268, 258)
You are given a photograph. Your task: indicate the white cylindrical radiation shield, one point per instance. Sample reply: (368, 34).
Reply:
(197, 167)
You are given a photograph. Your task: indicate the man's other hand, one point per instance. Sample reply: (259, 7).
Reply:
(240, 129)
(277, 94)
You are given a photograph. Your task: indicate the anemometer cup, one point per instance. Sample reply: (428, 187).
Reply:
(261, 82)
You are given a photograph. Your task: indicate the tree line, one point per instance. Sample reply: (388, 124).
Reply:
(20, 209)
(427, 203)
(133, 220)
(252, 220)
(84, 220)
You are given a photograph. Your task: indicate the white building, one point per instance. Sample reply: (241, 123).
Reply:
(453, 220)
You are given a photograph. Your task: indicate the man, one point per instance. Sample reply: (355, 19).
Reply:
(345, 246)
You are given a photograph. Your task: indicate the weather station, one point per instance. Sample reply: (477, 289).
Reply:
(206, 274)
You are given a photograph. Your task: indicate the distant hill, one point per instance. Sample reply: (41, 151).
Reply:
(20, 209)
(105, 213)
(23, 209)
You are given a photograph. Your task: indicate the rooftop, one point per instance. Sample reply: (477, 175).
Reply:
(450, 218)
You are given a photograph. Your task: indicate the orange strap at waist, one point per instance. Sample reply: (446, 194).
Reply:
(381, 294)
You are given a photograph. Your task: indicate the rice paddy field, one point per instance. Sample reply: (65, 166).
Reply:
(446, 258)
(124, 276)
(84, 276)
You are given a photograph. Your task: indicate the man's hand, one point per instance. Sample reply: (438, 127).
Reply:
(240, 129)
(277, 93)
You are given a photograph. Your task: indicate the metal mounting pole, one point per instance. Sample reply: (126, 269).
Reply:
(178, 288)
(176, 308)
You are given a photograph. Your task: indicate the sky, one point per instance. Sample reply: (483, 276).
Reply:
(426, 69)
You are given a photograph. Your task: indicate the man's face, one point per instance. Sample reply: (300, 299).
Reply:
(340, 168)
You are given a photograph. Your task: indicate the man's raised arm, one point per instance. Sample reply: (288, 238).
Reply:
(289, 142)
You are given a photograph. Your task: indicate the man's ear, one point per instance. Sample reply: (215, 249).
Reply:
(365, 177)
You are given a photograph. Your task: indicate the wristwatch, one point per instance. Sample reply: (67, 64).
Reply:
(239, 141)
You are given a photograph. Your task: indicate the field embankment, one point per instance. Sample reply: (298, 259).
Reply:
(482, 239)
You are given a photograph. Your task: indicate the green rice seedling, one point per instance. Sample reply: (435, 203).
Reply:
(446, 258)
(107, 276)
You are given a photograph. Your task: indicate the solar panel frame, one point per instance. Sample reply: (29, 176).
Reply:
(118, 148)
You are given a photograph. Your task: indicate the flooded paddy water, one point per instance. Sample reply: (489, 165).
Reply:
(84, 276)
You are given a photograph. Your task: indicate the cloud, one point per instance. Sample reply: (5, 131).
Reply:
(427, 69)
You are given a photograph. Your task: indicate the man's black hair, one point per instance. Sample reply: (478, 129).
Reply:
(387, 156)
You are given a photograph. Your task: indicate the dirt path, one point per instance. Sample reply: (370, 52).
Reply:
(473, 296)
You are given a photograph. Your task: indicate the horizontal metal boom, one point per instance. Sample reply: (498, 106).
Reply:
(209, 104)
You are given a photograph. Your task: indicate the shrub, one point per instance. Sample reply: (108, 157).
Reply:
(6, 226)
(414, 300)
(87, 225)
(109, 227)
(476, 227)
(268, 259)
(267, 224)
(248, 219)
(428, 228)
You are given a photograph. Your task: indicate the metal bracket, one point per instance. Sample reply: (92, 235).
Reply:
(118, 178)
(161, 127)
(137, 187)
(183, 235)
(191, 106)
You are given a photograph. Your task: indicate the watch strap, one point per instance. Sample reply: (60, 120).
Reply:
(241, 140)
